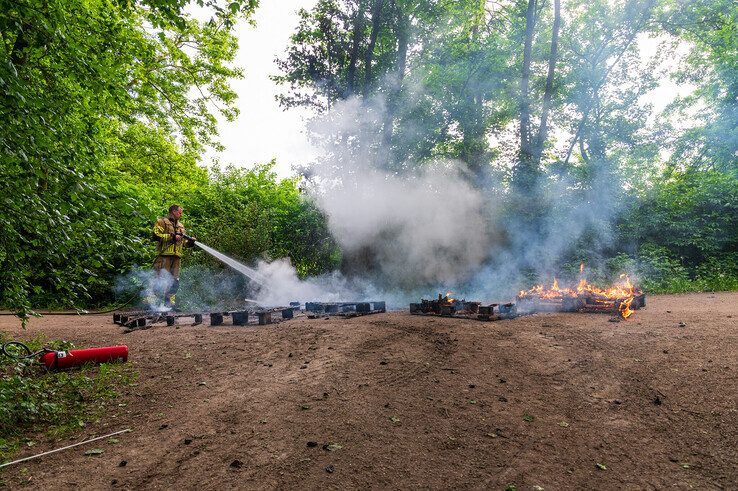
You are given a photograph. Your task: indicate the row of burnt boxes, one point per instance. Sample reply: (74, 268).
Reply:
(138, 319)
(241, 318)
(345, 307)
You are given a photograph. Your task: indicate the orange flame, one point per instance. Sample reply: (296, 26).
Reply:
(446, 298)
(622, 292)
(624, 308)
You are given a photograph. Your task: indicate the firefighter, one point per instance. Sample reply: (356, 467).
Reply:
(170, 243)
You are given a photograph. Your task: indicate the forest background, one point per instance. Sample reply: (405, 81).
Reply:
(108, 108)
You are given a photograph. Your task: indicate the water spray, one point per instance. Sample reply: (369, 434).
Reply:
(229, 261)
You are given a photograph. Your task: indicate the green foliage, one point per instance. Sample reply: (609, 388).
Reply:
(659, 272)
(656, 270)
(711, 27)
(718, 273)
(315, 63)
(251, 215)
(92, 89)
(436, 84)
(694, 214)
(34, 400)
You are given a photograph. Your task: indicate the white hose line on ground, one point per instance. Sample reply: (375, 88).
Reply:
(64, 448)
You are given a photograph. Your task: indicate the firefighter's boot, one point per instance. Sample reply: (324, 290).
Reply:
(171, 302)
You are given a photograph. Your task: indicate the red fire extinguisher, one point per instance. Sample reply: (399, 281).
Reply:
(61, 360)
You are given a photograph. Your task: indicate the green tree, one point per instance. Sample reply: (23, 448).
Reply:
(711, 29)
(79, 81)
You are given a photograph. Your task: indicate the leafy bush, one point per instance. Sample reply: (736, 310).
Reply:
(252, 214)
(685, 228)
(718, 273)
(85, 130)
(694, 215)
(658, 272)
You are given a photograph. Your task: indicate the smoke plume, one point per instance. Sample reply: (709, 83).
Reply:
(423, 227)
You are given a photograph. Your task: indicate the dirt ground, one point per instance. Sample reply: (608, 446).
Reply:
(547, 401)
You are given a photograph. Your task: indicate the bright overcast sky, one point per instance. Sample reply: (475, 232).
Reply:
(264, 130)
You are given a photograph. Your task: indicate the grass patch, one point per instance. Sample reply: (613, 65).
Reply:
(34, 401)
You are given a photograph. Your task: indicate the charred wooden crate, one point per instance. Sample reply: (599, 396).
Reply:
(264, 317)
(146, 319)
(487, 312)
(430, 306)
(468, 307)
(444, 306)
(331, 308)
(529, 304)
(639, 301)
(344, 309)
(315, 307)
(124, 318)
(496, 311)
(449, 307)
(572, 304)
(594, 303)
(240, 318)
(487, 309)
(508, 309)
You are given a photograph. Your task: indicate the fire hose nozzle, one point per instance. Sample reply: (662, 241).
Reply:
(185, 236)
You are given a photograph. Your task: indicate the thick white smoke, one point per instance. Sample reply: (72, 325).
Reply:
(282, 285)
(429, 226)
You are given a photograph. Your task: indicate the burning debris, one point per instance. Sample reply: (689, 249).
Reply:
(446, 306)
(621, 299)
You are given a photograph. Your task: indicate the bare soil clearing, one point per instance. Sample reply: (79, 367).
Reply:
(413, 401)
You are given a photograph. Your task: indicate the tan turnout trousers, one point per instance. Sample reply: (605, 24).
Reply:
(170, 264)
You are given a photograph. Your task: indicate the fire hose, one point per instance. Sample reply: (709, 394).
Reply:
(61, 359)
(78, 311)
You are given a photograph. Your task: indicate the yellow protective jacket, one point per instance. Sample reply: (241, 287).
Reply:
(166, 245)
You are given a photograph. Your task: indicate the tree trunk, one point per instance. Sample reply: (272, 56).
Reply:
(543, 128)
(356, 42)
(376, 21)
(402, 25)
(525, 172)
(474, 147)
